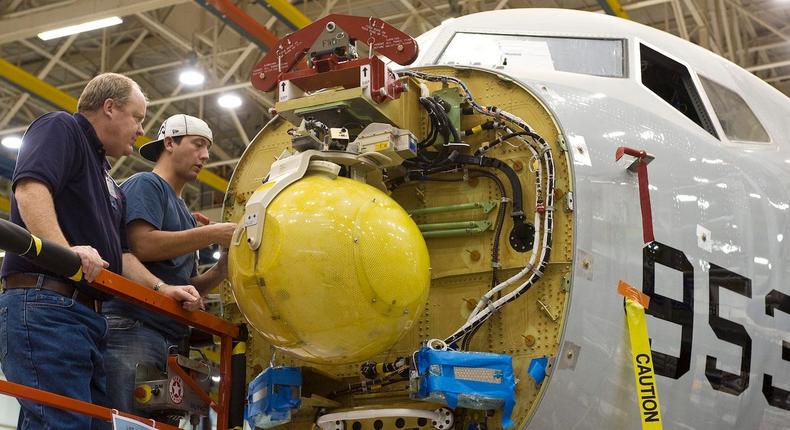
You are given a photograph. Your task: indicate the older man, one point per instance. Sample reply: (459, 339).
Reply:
(52, 336)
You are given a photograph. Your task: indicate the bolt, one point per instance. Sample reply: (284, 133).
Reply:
(517, 166)
(569, 355)
(261, 75)
(474, 255)
(529, 340)
(586, 264)
(399, 48)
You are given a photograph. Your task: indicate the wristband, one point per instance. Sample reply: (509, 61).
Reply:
(158, 285)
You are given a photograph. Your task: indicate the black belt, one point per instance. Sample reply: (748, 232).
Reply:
(27, 280)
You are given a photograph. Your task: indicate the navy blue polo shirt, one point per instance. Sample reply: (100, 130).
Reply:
(63, 152)
(151, 199)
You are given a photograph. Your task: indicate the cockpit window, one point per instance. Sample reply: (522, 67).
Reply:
(598, 57)
(737, 120)
(672, 82)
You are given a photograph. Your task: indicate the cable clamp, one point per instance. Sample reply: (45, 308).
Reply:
(489, 304)
(496, 264)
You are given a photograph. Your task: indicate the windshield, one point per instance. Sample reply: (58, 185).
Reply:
(598, 57)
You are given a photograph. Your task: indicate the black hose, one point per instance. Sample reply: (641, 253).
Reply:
(500, 220)
(433, 131)
(49, 255)
(238, 385)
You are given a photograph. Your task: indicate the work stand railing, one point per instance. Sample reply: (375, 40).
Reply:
(63, 261)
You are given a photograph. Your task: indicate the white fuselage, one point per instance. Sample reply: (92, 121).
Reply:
(720, 214)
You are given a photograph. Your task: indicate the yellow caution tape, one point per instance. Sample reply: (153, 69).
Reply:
(77, 276)
(644, 374)
(37, 242)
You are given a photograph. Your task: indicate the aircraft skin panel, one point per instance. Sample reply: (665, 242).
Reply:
(740, 198)
(720, 219)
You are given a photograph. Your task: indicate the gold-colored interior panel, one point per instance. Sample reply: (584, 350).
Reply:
(461, 271)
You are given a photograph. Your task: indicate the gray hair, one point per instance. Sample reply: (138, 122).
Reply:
(106, 86)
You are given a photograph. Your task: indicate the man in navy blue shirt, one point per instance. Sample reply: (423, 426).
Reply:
(163, 234)
(52, 336)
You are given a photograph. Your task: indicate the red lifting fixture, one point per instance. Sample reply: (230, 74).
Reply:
(330, 47)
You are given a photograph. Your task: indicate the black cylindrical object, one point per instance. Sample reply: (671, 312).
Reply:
(50, 256)
(238, 384)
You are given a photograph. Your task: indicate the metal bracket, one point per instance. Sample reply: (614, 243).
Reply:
(566, 282)
(561, 143)
(442, 418)
(283, 173)
(640, 156)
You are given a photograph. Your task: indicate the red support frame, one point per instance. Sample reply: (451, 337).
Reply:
(133, 292)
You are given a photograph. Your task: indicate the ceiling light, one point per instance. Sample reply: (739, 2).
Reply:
(229, 101)
(13, 142)
(191, 77)
(79, 28)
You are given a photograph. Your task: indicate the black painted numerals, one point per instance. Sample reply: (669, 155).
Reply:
(681, 313)
(728, 331)
(776, 396)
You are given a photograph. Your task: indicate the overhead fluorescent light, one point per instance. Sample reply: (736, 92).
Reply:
(191, 77)
(79, 28)
(229, 101)
(13, 142)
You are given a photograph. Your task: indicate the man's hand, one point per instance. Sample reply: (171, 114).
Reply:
(186, 294)
(92, 263)
(200, 218)
(223, 233)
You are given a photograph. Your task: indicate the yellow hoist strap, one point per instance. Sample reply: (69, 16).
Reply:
(644, 374)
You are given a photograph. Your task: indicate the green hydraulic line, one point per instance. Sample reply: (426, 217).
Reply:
(454, 225)
(480, 227)
(485, 206)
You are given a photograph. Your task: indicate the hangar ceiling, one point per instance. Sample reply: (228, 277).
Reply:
(159, 38)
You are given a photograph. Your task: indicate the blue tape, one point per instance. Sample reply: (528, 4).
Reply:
(272, 395)
(436, 370)
(537, 369)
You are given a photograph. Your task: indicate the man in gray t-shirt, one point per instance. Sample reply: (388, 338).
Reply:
(163, 234)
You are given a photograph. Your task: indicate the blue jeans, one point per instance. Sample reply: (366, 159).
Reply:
(50, 342)
(130, 343)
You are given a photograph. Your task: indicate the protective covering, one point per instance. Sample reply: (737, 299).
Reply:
(341, 274)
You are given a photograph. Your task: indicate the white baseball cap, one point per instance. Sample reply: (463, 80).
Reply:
(176, 125)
